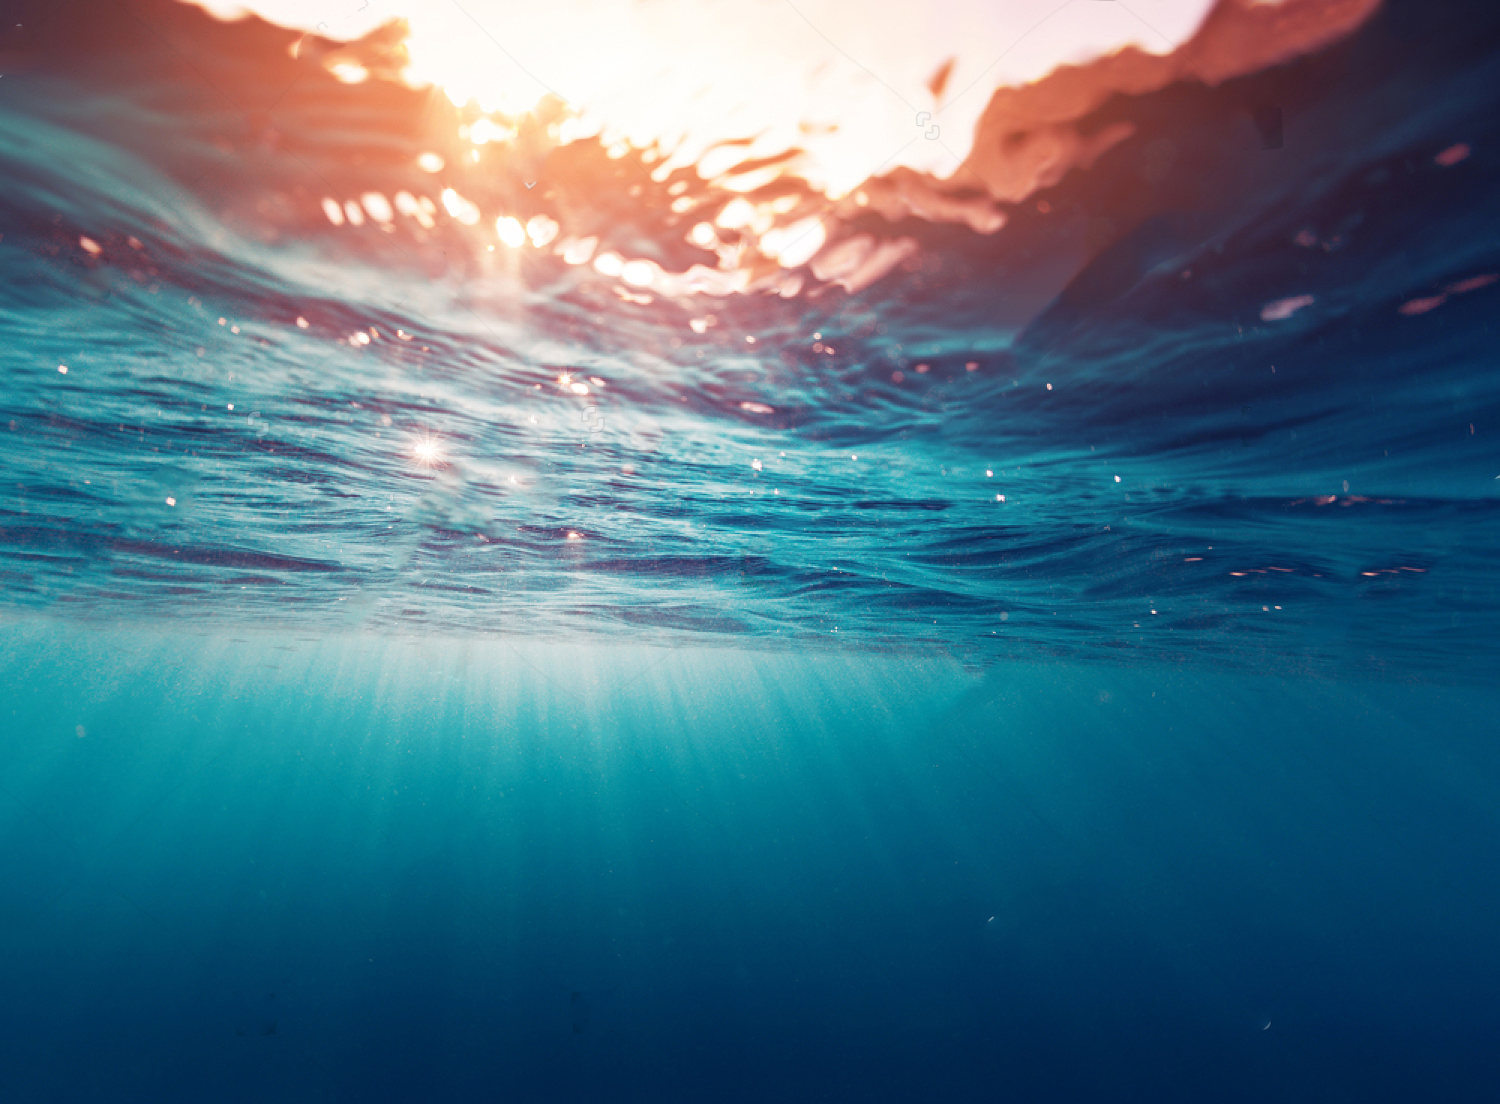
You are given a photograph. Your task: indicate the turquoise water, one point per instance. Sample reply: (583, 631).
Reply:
(1062, 669)
(343, 868)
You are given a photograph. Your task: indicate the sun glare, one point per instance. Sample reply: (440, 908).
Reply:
(745, 96)
(691, 78)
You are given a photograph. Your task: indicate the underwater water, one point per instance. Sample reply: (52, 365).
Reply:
(523, 619)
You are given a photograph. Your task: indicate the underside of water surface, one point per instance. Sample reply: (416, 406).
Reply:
(805, 554)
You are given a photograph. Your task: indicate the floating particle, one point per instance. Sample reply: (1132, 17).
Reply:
(1453, 155)
(1472, 283)
(1282, 309)
(1423, 305)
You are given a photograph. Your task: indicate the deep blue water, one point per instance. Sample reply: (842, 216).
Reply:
(1061, 670)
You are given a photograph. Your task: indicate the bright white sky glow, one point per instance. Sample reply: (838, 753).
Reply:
(844, 80)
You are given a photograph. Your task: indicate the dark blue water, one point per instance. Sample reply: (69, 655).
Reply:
(1061, 669)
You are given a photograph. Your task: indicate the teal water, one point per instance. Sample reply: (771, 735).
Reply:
(341, 868)
(1062, 669)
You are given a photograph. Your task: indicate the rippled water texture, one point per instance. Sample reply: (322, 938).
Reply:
(1224, 390)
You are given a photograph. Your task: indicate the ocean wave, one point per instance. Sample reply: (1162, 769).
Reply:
(1215, 390)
